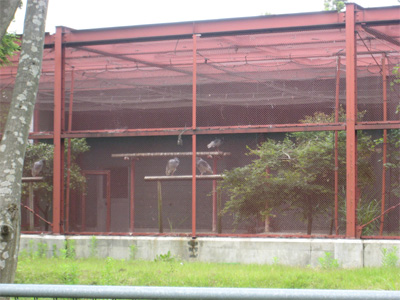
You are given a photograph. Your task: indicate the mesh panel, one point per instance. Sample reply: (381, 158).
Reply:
(379, 195)
(44, 107)
(373, 44)
(133, 85)
(257, 79)
(242, 80)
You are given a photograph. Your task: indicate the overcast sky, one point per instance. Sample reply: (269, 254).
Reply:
(85, 14)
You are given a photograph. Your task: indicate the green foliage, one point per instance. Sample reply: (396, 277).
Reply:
(69, 251)
(93, 246)
(42, 249)
(337, 5)
(390, 257)
(35, 251)
(69, 273)
(54, 251)
(368, 209)
(191, 274)
(44, 189)
(275, 260)
(9, 47)
(109, 272)
(296, 172)
(133, 251)
(327, 262)
(396, 80)
(31, 249)
(168, 257)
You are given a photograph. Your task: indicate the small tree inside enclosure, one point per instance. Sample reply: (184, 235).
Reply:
(43, 190)
(295, 173)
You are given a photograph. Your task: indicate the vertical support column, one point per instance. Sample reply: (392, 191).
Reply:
(57, 131)
(214, 197)
(62, 152)
(36, 116)
(159, 202)
(132, 196)
(194, 125)
(351, 118)
(108, 195)
(384, 146)
(83, 213)
(337, 148)
(68, 191)
(31, 206)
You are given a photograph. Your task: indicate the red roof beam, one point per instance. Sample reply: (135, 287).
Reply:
(212, 27)
(273, 23)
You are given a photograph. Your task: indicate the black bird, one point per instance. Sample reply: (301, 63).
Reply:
(215, 143)
(37, 167)
(171, 166)
(203, 166)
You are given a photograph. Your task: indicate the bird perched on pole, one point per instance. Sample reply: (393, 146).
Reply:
(171, 166)
(37, 167)
(216, 143)
(203, 166)
(180, 141)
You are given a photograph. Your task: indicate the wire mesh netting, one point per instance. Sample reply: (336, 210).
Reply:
(378, 178)
(258, 79)
(275, 183)
(132, 85)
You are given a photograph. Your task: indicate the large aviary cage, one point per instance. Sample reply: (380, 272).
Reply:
(142, 95)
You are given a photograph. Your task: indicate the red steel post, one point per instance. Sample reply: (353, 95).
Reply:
(132, 197)
(108, 196)
(83, 213)
(336, 147)
(214, 197)
(57, 131)
(67, 193)
(62, 152)
(351, 115)
(194, 149)
(384, 146)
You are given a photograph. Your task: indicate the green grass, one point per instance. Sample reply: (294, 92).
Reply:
(95, 271)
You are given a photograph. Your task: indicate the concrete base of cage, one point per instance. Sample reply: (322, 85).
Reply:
(286, 251)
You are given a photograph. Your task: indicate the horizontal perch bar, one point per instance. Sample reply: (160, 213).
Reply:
(167, 154)
(183, 177)
(31, 179)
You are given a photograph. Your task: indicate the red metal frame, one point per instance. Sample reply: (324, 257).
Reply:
(194, 125)
(289, 22)
(351, 118)
(57, 174)
(384, 146)
(67, 194)
(336, 148)
(132, 196)
(354, 16)
(214, 197)
(219, 130)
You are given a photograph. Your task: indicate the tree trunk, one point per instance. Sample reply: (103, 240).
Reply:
(7, 12)
(15, 138)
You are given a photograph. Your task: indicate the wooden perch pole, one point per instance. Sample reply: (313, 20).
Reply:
(183, 177)
(160, 224)
(30, 205)
(30, 181)
(168, 154)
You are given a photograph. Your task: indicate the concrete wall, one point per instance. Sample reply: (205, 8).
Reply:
(295, 252)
